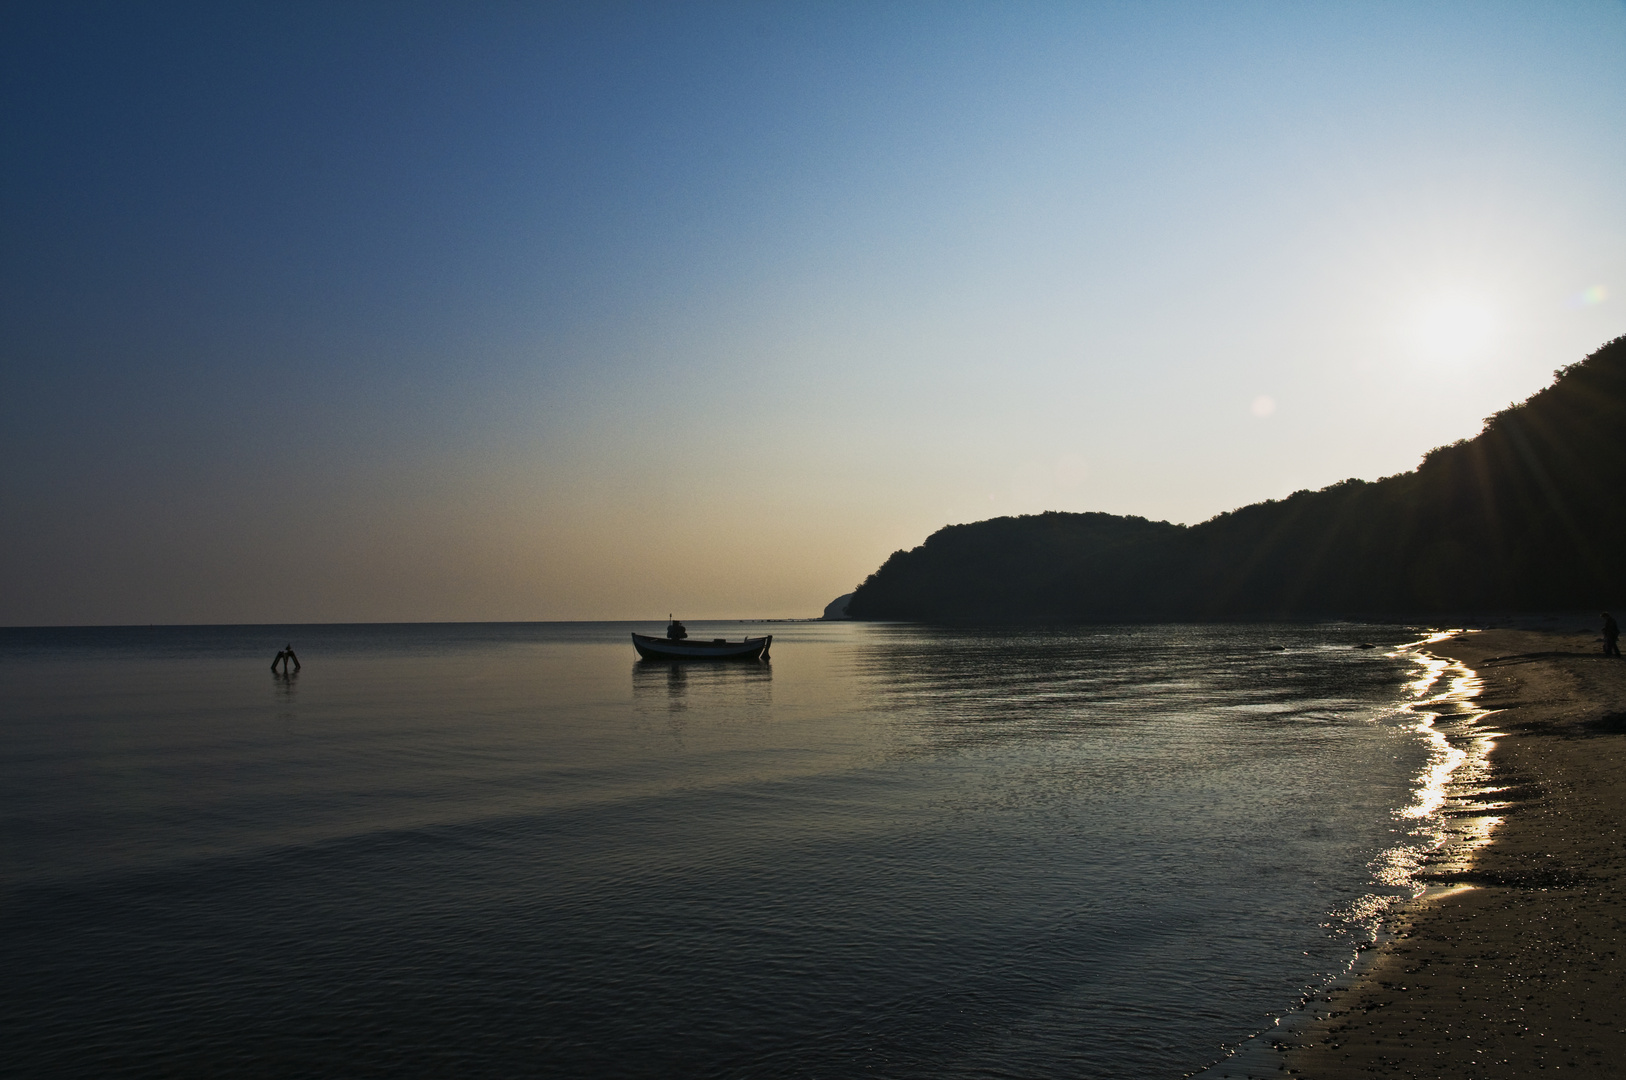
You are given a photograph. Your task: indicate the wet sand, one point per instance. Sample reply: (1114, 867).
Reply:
(1517, 967)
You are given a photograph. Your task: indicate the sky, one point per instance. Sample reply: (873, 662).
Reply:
(354, 312)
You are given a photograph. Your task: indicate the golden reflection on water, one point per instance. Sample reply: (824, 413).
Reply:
(1457, 772)
(1458, 765)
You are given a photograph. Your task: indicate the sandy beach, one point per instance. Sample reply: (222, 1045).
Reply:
(1514, 966)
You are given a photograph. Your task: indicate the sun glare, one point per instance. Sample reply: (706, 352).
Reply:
(1454, 328)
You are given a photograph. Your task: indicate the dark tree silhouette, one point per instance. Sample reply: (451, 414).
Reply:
(1529, 515)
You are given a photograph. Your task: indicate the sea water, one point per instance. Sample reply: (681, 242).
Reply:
(515, 850)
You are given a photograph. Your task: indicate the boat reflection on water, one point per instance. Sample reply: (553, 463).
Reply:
(723, 691)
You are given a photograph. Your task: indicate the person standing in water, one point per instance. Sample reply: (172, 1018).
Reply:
(1611, 635)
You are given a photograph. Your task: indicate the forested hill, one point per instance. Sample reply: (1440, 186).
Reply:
(1529, 515)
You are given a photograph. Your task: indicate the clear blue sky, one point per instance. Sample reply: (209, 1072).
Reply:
(356, 311)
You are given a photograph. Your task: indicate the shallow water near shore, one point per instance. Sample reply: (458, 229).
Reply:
(510, 850)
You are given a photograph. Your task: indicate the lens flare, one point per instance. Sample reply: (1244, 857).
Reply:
(1589, 297)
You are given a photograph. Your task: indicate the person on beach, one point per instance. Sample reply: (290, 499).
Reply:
(1611, 635)
(676, 631)
(285, 657)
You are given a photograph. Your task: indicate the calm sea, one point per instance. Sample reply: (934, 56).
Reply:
(514, 850)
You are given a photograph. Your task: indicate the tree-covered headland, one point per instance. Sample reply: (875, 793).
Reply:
(1529, 515)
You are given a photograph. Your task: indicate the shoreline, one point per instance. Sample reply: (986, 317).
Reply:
(1447, 707)
(1513, 960)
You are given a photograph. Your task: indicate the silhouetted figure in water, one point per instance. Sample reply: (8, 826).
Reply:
(676, 631)
(286, 657)
(1611, 635)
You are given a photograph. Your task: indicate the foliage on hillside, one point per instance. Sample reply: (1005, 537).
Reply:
(1528, 515)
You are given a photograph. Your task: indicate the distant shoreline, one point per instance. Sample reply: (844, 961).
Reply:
(1480, 620)
(1520, 968)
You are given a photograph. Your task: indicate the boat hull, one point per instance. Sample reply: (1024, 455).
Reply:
(656, 648)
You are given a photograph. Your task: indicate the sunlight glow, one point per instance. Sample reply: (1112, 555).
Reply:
(1454, 328)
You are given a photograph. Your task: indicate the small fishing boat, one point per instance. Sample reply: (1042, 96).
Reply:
(665, 648)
